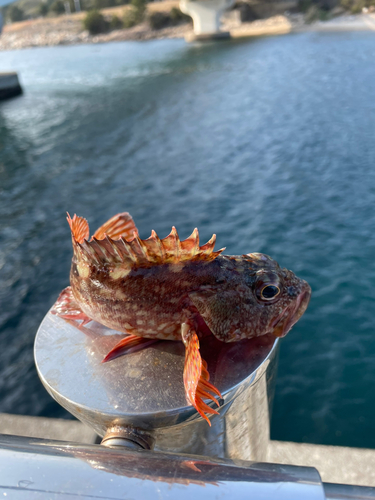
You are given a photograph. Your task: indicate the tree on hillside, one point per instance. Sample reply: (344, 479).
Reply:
(15, 14)
(95, 23)
(58, 7)
(140, 7)
(4, 11)
(103, 4)
(43, 9)
(135, 14)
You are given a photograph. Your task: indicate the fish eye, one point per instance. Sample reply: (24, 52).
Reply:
(269, 292)
(268, 286)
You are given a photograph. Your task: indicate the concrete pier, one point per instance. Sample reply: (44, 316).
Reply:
(9, 85)
(206, 18)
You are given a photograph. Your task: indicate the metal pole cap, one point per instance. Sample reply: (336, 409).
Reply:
(144, 389)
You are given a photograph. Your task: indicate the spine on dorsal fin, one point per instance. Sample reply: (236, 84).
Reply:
(79, 228)
(146, 253)
(119, 226)
(172, 247)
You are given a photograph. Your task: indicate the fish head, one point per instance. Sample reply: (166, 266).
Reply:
(279, 297)
(257, 297)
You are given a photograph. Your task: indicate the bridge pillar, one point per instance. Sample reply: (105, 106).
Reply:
(206, 17)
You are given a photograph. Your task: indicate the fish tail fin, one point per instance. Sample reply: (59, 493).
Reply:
(196, 375)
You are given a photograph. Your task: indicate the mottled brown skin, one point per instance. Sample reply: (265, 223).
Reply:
(176, 290)
(153, 301)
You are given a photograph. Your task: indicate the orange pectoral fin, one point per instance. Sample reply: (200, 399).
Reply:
(121, 225)
(196, 375)
(129, 344)
(67, 308)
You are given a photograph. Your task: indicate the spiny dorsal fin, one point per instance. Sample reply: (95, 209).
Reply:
(121, 225)
(79, 228)
(143, 253)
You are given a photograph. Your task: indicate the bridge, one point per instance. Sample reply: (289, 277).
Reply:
(206, 17)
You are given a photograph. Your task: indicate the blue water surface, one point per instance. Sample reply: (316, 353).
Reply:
(269, 143)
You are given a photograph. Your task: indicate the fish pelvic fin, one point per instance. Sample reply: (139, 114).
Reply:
(127, 345)
(196, 376)
(112, 245)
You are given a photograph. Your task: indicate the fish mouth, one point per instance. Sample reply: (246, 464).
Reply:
(291, 314)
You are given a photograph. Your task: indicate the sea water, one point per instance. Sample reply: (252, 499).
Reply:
(267, 142)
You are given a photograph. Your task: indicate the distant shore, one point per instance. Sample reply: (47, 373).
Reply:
(68, 30)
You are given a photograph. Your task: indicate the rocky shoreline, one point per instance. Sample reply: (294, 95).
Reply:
(72, 34)
(68, 30)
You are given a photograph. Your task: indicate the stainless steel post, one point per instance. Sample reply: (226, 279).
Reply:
(139, 398)
(37, 469)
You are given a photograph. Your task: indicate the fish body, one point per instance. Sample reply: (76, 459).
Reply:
(177, 290)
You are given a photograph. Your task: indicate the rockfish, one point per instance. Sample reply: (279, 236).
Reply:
(176, 290)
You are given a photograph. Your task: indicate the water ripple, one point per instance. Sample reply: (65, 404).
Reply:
(268, 143)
